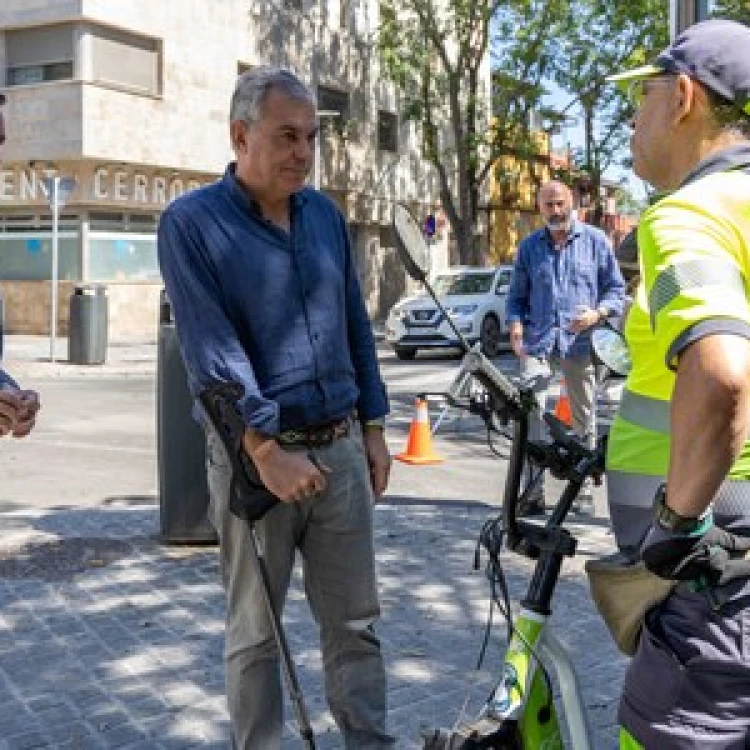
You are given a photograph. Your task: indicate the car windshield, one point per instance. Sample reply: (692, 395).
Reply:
(470, 283)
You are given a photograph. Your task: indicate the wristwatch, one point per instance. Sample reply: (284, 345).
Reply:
(603, 312)
(670, 519)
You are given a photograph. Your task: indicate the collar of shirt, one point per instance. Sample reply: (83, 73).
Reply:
(241, 195)
(734, 157)
(573, 232)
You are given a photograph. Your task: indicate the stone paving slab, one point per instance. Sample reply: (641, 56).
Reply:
(109, 639)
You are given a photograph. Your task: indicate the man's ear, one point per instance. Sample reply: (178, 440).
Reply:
(238, 136)
(685, 95)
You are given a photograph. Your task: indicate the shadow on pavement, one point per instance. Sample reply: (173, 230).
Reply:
(130, 650)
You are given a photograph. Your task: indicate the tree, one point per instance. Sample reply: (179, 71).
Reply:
(738, 10)
(436, 52)
(608, 37)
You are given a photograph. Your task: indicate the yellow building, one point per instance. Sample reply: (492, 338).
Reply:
(512, 212)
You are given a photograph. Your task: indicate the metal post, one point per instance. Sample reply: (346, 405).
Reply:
(55, 239)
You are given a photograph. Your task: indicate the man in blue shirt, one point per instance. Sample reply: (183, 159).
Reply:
(260, 274)
(565, 282)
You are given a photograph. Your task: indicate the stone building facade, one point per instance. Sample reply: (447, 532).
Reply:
(131, 100)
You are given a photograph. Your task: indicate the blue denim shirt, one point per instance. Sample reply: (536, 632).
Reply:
(548, 284)
(280, 312)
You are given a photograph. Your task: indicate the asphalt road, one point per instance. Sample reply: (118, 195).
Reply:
(95, 442)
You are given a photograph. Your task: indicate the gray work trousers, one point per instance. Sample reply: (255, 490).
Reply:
(333, 533)
(580, 380)
(688, 685)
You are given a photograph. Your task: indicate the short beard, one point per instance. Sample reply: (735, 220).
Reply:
(561, 225)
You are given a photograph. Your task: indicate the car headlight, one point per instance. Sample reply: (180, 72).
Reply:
(464, 310)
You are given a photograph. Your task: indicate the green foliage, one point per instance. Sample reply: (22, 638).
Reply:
(738, 10)
(608, 37)
(436, 53)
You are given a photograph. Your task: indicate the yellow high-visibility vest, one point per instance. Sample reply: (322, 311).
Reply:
(694, 248)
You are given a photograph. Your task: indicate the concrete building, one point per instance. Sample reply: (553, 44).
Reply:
(131, 99)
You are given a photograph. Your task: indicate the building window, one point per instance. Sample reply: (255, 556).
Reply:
(42, 53)
(333, 100)
(387, 131)
(126, 60)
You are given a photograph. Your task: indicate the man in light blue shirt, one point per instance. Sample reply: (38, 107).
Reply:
(565, 282)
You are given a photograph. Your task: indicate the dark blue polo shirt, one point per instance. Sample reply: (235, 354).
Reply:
(280, 312)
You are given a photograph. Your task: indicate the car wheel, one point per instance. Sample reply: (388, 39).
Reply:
(491, 336)
(405, 352)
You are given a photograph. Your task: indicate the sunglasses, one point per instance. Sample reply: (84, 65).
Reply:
(639, 88)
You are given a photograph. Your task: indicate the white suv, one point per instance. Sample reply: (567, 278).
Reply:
(473, 297)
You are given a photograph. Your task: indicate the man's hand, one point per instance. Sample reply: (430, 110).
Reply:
(378, 458)
(30, 405)
(516, 339)
(586, 318)
(11, 408)
(703, 555)
(290, 475)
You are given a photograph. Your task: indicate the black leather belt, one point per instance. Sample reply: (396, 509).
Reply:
(317, 436)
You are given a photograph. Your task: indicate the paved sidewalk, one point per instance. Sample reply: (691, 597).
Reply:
(110, 639)
(28, 357)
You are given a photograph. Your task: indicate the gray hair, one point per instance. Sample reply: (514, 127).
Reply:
(254, 85)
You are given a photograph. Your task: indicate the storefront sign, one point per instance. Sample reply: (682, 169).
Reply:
(111, 186)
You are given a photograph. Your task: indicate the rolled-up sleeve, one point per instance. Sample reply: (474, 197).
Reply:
(210, 347)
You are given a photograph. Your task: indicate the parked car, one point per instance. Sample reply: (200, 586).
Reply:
(475, 300)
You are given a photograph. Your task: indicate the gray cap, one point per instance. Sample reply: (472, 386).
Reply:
(715, 53)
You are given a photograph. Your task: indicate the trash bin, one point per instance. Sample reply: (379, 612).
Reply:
(88, 325)
(181, 445)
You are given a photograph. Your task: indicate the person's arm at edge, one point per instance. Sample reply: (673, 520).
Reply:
(709, 419)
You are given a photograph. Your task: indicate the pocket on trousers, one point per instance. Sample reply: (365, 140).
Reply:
(654, 678)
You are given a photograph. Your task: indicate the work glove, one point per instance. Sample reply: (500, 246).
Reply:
(708, 555)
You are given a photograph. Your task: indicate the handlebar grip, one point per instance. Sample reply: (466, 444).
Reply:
(478, 365)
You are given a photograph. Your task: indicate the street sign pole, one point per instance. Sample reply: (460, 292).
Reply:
(57, 190)
(55, 263)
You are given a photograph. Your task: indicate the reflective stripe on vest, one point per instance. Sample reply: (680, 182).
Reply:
(691, 275)
(644, 411)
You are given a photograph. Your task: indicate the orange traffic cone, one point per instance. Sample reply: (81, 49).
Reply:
(562, 407)
(419, 448)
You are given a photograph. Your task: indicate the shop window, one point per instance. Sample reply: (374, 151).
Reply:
(122, 256)
(387, 131)
(27, 256)
(39, 54)
(126, 60)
